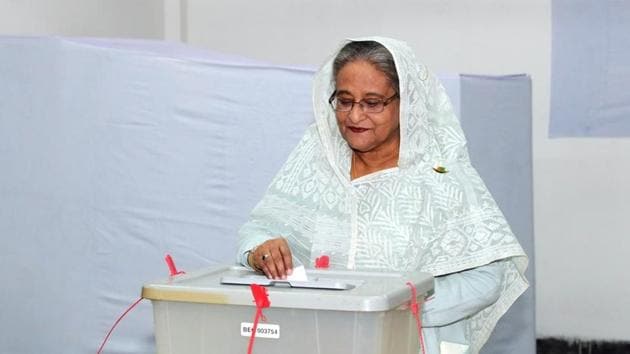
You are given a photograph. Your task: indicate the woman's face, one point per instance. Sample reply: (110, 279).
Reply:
(366, 132)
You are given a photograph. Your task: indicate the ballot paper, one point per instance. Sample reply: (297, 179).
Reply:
(452, 348)
(298, 274)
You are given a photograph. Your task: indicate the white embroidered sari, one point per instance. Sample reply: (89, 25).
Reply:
(404, 219)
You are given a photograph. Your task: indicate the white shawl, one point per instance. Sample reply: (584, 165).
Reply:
(406, 218)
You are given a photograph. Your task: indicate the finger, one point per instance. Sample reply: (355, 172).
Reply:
(258, 260)
(286, 257)
(265, 270)
(279, 263)
(271, 264)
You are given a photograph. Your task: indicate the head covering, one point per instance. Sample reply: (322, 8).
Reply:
(407, 218)
(429, 130)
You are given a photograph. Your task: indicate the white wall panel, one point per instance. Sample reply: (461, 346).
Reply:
(91, 18)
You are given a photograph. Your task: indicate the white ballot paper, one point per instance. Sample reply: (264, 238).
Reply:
(299, 274)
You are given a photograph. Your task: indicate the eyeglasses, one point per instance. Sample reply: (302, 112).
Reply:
(368, 105)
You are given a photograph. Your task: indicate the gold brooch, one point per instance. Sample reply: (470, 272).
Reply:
(440, 169)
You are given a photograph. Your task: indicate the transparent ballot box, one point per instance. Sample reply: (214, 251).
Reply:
(345, 312)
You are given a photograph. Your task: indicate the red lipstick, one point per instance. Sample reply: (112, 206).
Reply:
(357, 129)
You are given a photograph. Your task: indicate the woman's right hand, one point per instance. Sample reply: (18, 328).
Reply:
(272, 257)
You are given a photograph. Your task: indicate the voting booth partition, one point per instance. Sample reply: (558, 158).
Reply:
(116, 152)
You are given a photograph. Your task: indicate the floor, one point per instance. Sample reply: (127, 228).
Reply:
(568, 346)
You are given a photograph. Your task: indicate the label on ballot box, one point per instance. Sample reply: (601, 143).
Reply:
(263, 330)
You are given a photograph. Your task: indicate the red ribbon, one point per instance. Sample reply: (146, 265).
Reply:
(416, 311)
(171, 266)
(262, 301)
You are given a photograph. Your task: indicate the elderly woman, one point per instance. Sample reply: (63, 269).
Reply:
(382, 181)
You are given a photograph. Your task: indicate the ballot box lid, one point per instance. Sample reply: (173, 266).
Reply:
(335, 290)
